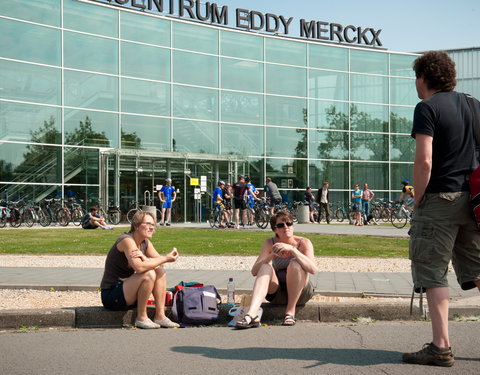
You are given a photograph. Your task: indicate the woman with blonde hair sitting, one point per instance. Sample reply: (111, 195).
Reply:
(134, 271)
(282, 272)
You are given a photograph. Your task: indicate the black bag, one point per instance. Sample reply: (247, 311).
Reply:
(196, 305)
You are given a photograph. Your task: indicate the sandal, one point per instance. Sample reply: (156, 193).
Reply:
(242, 324)
(289, 321)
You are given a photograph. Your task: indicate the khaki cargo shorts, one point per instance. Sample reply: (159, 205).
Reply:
(443, 229)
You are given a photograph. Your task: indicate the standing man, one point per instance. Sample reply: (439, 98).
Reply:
(443, 227)
(272, 194)
(239, 200)
(167, 195)
(218, 203)
(323, 200)
(367, 197)
(252, 193)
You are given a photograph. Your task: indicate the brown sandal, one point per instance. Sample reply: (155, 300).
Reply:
(243, 324)
(289, 321)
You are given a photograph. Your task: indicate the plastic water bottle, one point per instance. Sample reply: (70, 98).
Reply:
(230, 292)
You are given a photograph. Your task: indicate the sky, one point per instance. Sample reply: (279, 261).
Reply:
(407, 25)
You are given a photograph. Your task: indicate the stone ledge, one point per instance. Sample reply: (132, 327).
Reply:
(16, 319)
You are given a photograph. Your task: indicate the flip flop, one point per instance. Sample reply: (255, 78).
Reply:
(243, 324)
(289, 321)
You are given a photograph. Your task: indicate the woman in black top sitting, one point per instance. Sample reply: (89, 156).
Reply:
(133, 271)
(281, 272)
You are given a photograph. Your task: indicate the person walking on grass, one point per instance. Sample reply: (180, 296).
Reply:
(443, 227)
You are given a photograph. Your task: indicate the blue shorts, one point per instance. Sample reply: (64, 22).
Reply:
(167, 204)
(113, 298)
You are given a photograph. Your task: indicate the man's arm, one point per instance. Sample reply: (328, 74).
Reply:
(422, 166)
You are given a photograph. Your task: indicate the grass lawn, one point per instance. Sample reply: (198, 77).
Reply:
(191, 242)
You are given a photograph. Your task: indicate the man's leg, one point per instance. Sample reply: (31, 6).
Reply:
(437, 299)
(162, 222)
(169, 216)
(327, 212)
(237, 214)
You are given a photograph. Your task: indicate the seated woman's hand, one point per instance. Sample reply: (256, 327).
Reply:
(172, 256)
(282, 250)
(138, 254)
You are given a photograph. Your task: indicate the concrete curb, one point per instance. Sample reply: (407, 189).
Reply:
(99, 317)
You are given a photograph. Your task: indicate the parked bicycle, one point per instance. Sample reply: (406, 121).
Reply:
(400, 216)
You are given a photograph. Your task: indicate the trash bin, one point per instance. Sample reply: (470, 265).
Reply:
(303, 214)
(152, 210)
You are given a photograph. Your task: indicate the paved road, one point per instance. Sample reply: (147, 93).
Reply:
(304, 349)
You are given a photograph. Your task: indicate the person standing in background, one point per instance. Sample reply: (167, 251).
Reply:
(167, 196)
(323, 200)
(367, 197)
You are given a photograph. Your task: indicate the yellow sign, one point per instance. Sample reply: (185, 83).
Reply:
(194, 181)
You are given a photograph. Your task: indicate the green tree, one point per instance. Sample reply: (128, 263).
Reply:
(84, 135)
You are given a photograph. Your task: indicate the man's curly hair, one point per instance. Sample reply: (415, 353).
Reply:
(437, 69)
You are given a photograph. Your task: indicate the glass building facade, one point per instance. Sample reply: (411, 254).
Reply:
(106, 102)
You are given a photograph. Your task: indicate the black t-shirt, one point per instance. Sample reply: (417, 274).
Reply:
(447, 118)
(239, 190)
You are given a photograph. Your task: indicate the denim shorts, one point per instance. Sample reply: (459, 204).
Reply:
(443, 229)
(113, 298)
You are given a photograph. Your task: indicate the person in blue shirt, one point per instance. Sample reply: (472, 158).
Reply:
(167, 195)
(252, 193)
(217, 198)
(357, 195)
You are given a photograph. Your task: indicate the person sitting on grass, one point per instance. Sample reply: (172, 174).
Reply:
(134, 271)
(281, 272)
(93, 220)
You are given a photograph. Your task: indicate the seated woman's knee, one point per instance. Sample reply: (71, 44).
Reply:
(149, 276)
(295, 266)
(265, 269)
(159, 272)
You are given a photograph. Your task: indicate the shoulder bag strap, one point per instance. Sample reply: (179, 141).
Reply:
(472, 103)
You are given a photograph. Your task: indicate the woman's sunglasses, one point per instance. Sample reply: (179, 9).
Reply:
(281, 225)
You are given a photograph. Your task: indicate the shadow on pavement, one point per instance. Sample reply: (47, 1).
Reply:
(323, 356)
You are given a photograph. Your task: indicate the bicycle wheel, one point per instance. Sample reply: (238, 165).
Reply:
(3, 217)
(28, 219)
(114, 217)
(340, 215)
(375, 213)
(399, 218)
(15, 218)
(385, 214)
(131, 213)
(44, 218)
(63, 218)
(159, 216)
(214, 218)
(77, 216)
(262, 217)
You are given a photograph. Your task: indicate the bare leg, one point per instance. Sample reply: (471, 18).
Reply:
(169, 215)
(297, 279)
(163, 216)
(159, 291)
(237, 214)
(266, 282)
(138, 288)
(244, 217)
(438, 299)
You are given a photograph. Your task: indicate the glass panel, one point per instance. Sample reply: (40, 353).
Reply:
(328, 145)
(334, 172)
(87, 90)
(242, 75)
(400, 172)
(403, 91)
(285, 80)
(140, 28)
(374, 174)
(23, 41)
(328, 115)
(30, 83)
(401, 65)
(255, 169)
(242, 140)
(30, 163)
(402, 148)
(369, 89)
(88, 194)
(324, 57)
(241, 107)
(30, 123)
(147, 133)
(144, 97)
(90, 18)
(401, 119)
(286, 111)
(195, 136)
(369, 118)
(368, 62)
(30, 191)
(90, 53)
(41, 11)
(154, 64)
(286, 142)
(195, 103)
(195, 69)
(368, 146)
(89, 128)
(241, 45)
(81, 166)
(287, 174)
(327, 85)
(195, 38)
(285, 52)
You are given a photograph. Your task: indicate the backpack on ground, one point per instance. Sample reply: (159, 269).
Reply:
(196, 305)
